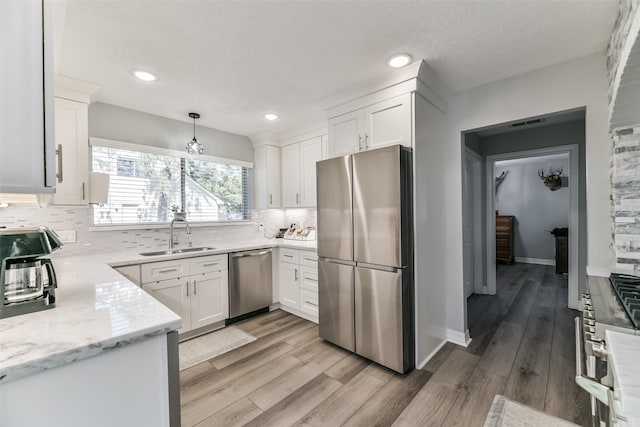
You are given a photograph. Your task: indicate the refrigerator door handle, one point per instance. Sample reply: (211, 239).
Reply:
(378, 267)
(337, 261)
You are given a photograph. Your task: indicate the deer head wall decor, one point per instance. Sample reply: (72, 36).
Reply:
(552, 180)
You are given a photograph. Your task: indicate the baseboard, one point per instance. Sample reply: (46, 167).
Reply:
(424, 361)
(299, 313)
(459, 338)
(539, 261)
(598, 271)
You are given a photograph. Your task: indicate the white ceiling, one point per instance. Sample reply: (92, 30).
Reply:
(233, 61)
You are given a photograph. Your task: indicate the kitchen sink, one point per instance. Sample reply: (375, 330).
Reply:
(177, 251)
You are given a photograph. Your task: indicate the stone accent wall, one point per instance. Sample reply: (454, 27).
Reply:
(625, 183)
(626, 13)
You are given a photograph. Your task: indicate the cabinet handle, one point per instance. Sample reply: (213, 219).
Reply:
(195, 287)
(187, 288)
(270, 199)
(168, 271)
(366, 141)
(59, 153)
(83, 191)
(311, 279)
(295, 270)
(297, 198)
(211, 264)
(309, 259)
(310, 303)
(359, 142)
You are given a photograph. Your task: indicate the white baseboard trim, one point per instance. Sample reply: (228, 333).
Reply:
(539, 261)
(459, 338)
(299, 313)
(598, 271)
(424, 361)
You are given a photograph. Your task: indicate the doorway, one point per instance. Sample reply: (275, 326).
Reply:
(562, 135)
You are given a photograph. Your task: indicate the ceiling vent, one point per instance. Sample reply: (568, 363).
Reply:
(527, 123)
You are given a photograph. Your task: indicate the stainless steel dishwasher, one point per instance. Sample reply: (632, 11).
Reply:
(250, 291)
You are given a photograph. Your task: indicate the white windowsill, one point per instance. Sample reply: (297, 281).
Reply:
(164, 225)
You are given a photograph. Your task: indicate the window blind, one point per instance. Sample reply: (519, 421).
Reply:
(145, 188)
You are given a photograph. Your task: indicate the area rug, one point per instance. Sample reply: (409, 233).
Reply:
(507, 413)
(213, 344)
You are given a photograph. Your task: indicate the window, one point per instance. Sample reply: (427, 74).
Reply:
(145, 187)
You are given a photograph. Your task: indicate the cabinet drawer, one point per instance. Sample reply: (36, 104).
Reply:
(309, 302)
(208, 264)
(309, 278)
(290, 255)
(309, 259)
(164, 270)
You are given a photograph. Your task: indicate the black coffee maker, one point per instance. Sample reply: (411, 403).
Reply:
(27, 281)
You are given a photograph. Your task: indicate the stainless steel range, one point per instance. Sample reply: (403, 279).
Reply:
(612, 304)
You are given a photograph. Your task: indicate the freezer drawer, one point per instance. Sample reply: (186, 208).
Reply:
(335, 301)
(383, 332)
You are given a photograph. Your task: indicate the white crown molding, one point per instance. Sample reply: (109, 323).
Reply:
(311, 130)
(73, 89)
(264, 138)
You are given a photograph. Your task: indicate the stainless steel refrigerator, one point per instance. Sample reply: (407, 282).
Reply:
(365, 250)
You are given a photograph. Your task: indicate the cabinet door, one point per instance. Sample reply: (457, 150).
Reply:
(346, 133)
(310, 153)
(388, 123)
(209, 299)
(273, 177)
(291, 176)
(72, 138)
(266, 172)
(27, 145)
(289, 284)
(174, 293)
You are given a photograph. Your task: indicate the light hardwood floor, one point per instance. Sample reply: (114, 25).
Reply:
(521, 348)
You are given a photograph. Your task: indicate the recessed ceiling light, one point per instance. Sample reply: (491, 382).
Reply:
(270, 116)
(144, 75)
(398, 61)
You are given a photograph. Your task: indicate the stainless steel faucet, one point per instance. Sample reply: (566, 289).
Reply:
(178, 217)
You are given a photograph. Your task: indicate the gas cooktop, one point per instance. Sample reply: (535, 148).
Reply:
(627, 289)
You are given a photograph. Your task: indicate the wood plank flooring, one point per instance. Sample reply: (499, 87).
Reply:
(521, 348)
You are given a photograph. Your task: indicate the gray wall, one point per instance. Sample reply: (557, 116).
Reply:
(121, 124)
(535, 207)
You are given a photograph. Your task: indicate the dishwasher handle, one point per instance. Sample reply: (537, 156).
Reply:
(245, 254)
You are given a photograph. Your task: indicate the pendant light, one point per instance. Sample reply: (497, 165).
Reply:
(193, 146)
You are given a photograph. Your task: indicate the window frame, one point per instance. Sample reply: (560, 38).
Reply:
(101, 142)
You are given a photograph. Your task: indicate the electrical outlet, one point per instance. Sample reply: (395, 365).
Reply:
(261, 226)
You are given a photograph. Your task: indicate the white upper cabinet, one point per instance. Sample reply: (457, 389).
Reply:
(299, 172)
(267, 177)
(388, 123)
(72, 140)
(291, 176)
(346, 133)
(27, 145)
(310, 154)
(381, 124)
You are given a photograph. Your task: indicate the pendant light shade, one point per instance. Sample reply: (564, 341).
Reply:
(193, 146)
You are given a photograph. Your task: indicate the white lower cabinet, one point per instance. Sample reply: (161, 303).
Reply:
(209, 301)
(289, 284)
(298, 283)
(196, 289)
(174, 294)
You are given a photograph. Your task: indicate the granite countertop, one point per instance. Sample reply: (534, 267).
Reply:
(97, 309)
(623, 350)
